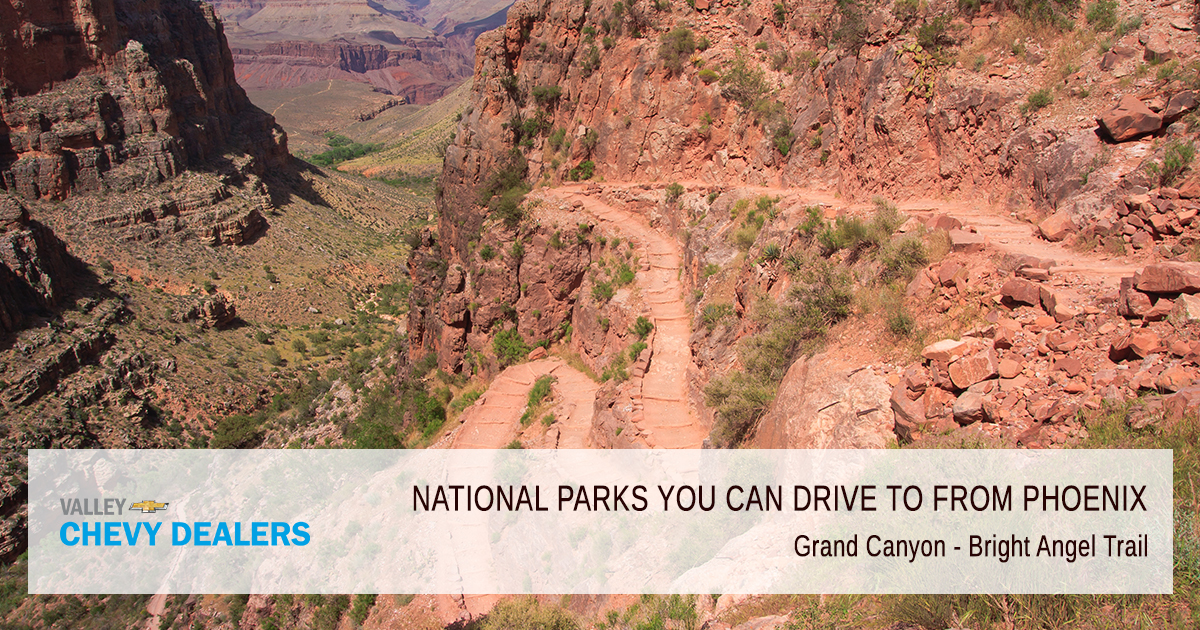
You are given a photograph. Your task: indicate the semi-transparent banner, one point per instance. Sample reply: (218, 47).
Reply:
(594, 522)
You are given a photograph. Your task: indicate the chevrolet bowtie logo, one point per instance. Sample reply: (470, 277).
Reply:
(149, 507)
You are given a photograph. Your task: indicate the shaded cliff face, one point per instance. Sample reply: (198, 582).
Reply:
(117, 94)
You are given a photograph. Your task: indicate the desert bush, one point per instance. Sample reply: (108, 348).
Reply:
(642, 327)
(538, 394)
(603, 291)
(714, 314)
(1038, 99)
(1102, 15)
(901, 260)
(526, 613)
(675, 47)
(547, 95)
(742, 83)
(674, 191)
(584, 171)
(1177, 158)
(510, 347)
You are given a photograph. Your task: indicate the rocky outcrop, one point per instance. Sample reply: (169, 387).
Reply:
(824, 404)
(35, 267)
(111, 97)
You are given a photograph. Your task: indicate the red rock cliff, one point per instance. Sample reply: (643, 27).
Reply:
(88, 87)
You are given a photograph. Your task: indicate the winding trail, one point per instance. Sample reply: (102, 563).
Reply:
(669, 420)
(495, 420)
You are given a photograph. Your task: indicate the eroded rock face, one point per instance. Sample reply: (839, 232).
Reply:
(119, 94)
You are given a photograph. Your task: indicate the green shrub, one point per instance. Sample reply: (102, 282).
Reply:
(487, 253)
(547, 95)
(708, 75)
(934, 34)
(714, 314)
(814, 220)
(771, 252)
(341, 150)
(1102, 15)
(510, 347)
(742, 83)
(900, 323)
(361, 608)
(906, 11)
(299, 346)
(779, 14)
(642, 327)
(901, 259)
(537, 394)
(1177, 158)
(822, 297)
(237, 431)
(526, 613)
(273, 357)
(557, 137)
(783, 139)
(1036, 100)
(675, 48)
(590, 62)
(674, 191)
(261, 336)
(624, 274)
(505, 189)
(636, 349)
(603, 291)
(584, 171)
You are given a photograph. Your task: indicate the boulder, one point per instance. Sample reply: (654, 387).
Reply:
(1137, 343)
(1069, 365)
(1157, 48)
(1060, 341)
(1034, 273)
(1129, 119)
(1169, 277)
(969, 408)
(963, 241)
(1132, 303)
(1018, 291)
(975, 368)
(1056, 227)
(801, 416)
(1190, 188)
(945, 351)
(1172, 379)
(949, 273)
(1141, 240)
(1009, 368)
(1183, 403)
(1180, 104)
(1187, 309)
(537, 353)
(943, 222)
(910, 414)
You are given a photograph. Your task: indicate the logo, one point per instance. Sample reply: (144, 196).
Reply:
(149, 507)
